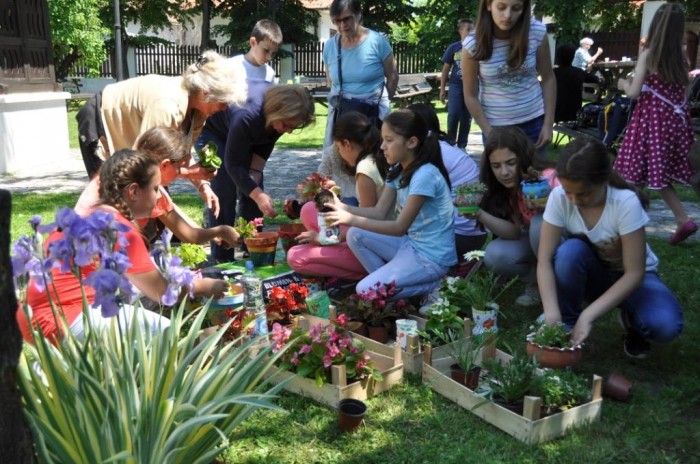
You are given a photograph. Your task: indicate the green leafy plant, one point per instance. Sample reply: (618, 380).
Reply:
(470, 188)
(191, 254)
(208, 156)
(181, 397)
(477, 292)
(511, 381)
(560, 389)
(248, 229)
(442, 317)
(464, 349)
(554, 335)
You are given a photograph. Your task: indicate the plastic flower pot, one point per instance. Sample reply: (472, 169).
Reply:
(351, 413)
(536, 191)
(262, 248)
(617, 387)
(288, 234)
(469, 379)
(378, 333)
(485, 320)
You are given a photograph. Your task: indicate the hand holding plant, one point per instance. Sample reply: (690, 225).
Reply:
(208, 156)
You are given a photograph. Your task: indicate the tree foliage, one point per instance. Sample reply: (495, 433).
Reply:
(77, 34)
(242, 15)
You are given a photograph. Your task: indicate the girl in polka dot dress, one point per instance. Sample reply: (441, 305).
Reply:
(655, 147)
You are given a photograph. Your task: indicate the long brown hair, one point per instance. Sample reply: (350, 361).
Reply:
(288, 102)
(497, 198)
(164, 143)
(355, 127)
(519, 35)
(122, 169)
(665, 47)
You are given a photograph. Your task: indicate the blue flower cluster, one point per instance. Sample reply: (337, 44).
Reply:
(98, 239)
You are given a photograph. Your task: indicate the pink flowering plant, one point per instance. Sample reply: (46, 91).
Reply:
(376, 306)
(248, 229)
(311, 354)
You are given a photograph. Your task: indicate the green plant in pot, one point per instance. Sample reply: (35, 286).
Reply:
(442, 317)
(377, 308)
(508, 383)
(191, 254)
(481, 292)
(465, 350)
(560, 390)
(551, 345)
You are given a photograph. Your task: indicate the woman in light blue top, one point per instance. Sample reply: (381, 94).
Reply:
(501, 62)
(366, 60)
(418, 247)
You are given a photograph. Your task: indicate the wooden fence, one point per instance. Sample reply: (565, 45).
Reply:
(171, 60)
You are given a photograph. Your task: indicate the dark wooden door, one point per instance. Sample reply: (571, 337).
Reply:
(26, 61)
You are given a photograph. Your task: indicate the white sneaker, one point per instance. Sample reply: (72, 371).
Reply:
(530, 297)
(428, 300)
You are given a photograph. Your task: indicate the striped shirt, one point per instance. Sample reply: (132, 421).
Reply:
(510, 96)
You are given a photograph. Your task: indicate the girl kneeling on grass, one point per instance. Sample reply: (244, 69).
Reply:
(417, 248)
(604, 259)
(129, 189)
(357, 141)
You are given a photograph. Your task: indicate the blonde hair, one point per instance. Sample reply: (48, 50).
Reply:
(164, 143)
(218, 78)
(288, 102)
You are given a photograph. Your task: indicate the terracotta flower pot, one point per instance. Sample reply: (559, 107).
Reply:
(262, 248)
(288, 233)
(351, 413)
(469, 379)
(553, 357)
(617, 387)
(378, 333)
(359, 327)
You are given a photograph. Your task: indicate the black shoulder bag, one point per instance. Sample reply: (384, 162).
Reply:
(345, 105)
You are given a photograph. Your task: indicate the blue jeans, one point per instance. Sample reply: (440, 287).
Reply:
(511, 258)
(652, 310)
(388, 258)
(458, 115)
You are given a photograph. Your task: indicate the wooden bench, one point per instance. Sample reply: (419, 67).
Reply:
(572, 130)
(411, 87)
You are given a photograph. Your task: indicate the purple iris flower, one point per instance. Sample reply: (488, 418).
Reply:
(111, 291)
(61, 251)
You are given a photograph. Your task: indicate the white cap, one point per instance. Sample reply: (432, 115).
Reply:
(586, 41)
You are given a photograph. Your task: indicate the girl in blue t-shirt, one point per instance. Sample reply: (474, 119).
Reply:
(417, 248)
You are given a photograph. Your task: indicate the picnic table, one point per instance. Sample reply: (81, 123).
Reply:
(614, 70)
(410, 88)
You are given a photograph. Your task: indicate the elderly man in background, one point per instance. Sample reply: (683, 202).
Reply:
(582, 58)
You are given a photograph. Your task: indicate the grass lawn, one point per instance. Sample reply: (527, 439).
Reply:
(659, 424)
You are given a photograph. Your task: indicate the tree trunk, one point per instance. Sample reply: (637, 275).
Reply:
(206, 20)
(16, 445)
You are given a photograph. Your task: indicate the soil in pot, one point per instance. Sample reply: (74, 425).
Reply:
(378, 333)
(516, 406)
(351, 413)
(469, 379)
(554, 357)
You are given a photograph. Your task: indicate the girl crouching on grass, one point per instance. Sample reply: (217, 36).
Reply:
(604, 261)
(129, 189)
(416, 249)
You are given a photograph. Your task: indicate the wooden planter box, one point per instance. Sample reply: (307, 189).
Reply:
(387, 360)
(529, 427)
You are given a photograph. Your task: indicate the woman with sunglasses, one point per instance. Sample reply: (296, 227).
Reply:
(357, 61)
(245, 137)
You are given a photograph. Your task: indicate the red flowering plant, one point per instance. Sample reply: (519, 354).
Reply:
(309, 187)
(376, 306)
(285, 302)
(311, 354)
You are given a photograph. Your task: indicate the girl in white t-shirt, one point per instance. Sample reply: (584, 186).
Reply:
(604, 261)
(357, 143)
